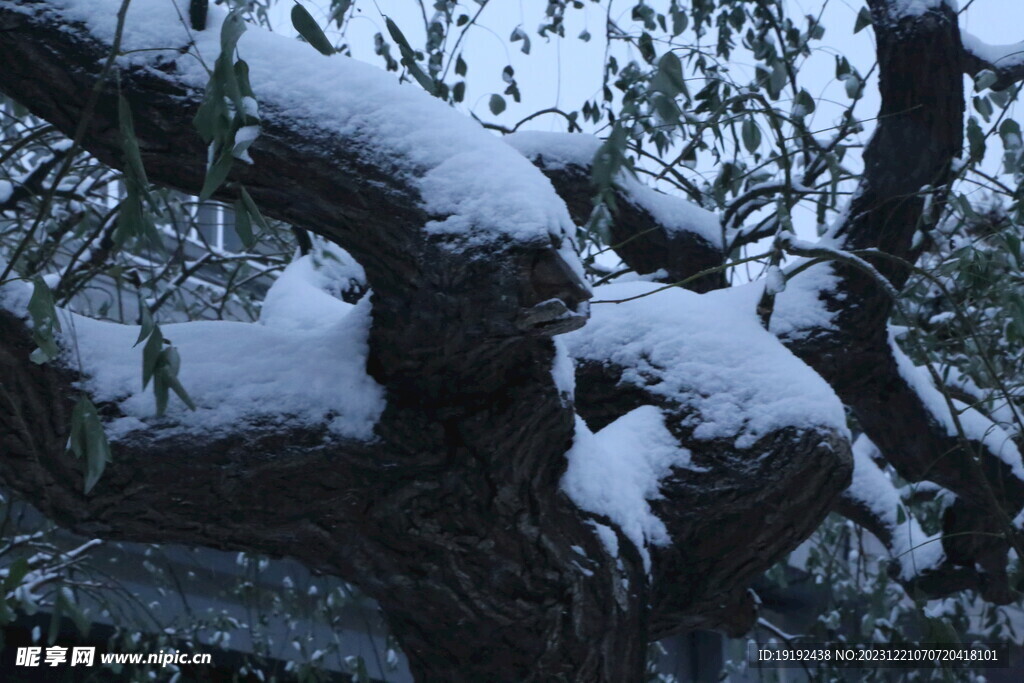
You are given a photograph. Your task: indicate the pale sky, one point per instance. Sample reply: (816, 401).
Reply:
(566, 72)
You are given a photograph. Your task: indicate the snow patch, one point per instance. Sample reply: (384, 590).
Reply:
(617, 470)
(999, 56)
(799, 309)
(708, 352)
(915, 8)
(304, 363)
(915, 551)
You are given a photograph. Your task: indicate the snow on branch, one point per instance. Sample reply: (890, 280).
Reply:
(650, 230)
(1005, 63)
(468, 182)
(709, 353)
(688, 399)
(966, 421)
(887, 518)
(303, 364)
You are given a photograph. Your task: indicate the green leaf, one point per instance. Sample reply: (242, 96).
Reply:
(151, 355)
(751, 135)
(985, 78)
(983, 107)
(88, 441)
(230, 31)
(646, 45)
(15, 573)
(497, 104)
(854, 85)
(245, 88)
(307, 27)
(130, 144)
(668, 78)
(243, 224)
(459, 91)
(44, 321)
(170, 371)
(805, 102)
(216, 175)
(339, 10)
(254, 211)
(146, 325)
(863, 20)
(901, 515)
(975, 139)
(519, 34)
(409, 58)
(1009, 131)
(460, 66)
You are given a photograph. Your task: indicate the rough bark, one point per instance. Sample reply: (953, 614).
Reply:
(452, 517)
(737, 516)
(919, 135)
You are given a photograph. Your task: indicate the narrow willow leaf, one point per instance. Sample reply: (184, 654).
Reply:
(146, 322)
(151, 355)
(130, 143)
(751, 135)
(16, 571)
(307, 27)
(254, 211)
(216, 175)
(863, 20)
(243, 224)
(88, 441)
(669, 76)
(44, 321)
(409, 58)
(339, 10)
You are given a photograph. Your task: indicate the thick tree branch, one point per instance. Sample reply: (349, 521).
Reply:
(456, 526)
(919, 562)
(681, 241)
(338, 179)
(1006, 62)
(730, 510)
(910, 156)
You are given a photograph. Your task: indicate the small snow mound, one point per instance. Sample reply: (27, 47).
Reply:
(617, 470)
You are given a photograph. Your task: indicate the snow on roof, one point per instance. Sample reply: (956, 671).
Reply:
(477, 186)
(674, 213)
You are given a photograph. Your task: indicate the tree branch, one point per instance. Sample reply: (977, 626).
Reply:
(730, 510)
(910, 155)
(681, 240)
(1006, 62)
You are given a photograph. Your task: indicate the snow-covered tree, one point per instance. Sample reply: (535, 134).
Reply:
(536, 463)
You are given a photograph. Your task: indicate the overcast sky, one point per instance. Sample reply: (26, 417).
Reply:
(564, 73)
